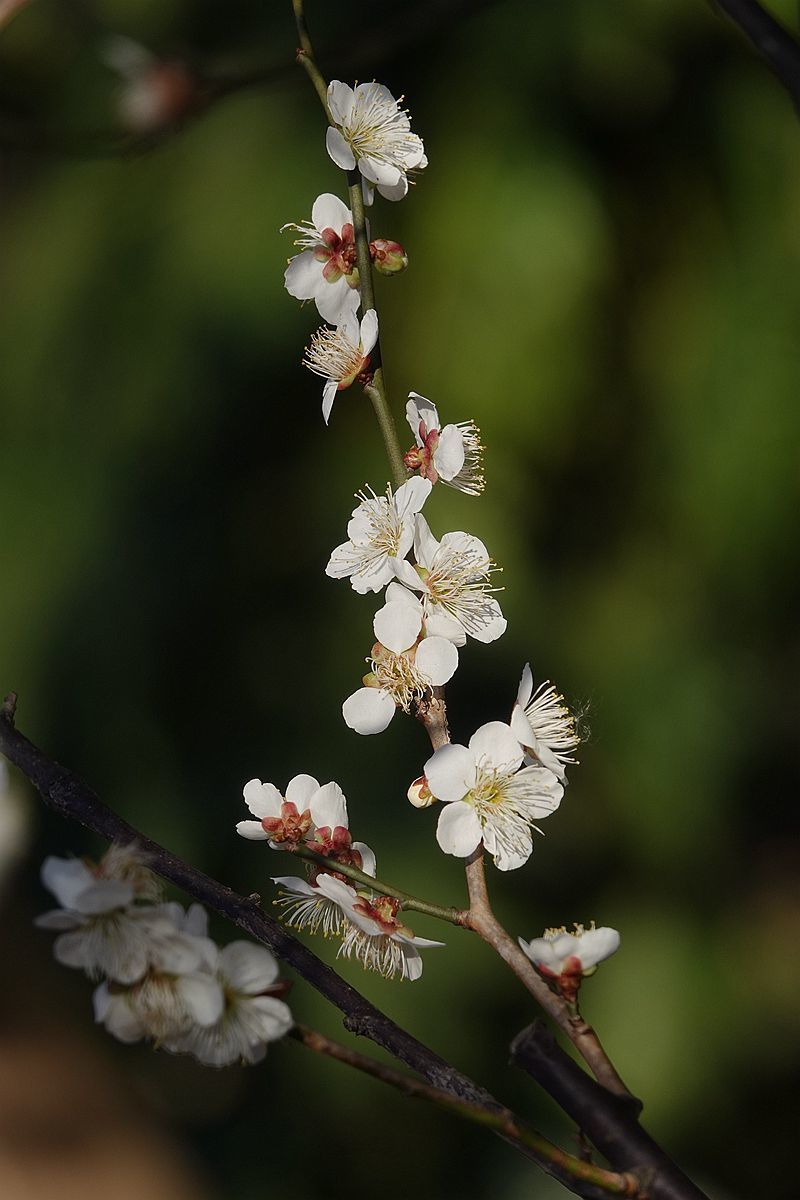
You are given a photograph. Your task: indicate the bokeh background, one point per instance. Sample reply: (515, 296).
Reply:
(604, 275)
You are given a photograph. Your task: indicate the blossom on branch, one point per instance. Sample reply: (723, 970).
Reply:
(490, 795)
(543, 725)
(341, 355)
(287, 821)
(453, 577)
(253, 1014)
(325, 271)
(564, 959)
(403, 666)
(155, 93)
(373, 132)
(453, 454)
(380, 529)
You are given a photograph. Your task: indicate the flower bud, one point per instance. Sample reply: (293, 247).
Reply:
(419, 794)
(389, 258)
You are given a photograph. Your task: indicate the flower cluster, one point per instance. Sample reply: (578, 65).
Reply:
(314, 818)
(162, 976)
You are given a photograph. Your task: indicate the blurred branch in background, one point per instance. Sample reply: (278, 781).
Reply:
(772, 40)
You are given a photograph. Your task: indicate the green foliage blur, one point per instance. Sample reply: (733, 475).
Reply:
(604, 258)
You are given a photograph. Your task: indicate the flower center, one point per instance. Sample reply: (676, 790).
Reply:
(331, 355)
(290, 827)
(379, 127)
(396, 674)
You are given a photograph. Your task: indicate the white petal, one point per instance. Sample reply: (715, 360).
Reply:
(104, 896)
(263, 799)
(540, 951)
(497, 746)
(336, 302)
(394, 191)
(248, 968)
(397, 626)
(65, 878)
(420, 409)
(301, 791)
(272, 1018)
(328, 396)
(341, 893)
(379, 172)
(339, 150)
(597, 944)
(410, 496)
(425, 544)
(538, 789)
(71, 950)
(342, 562)
(525, 690)
(58, 918)
(340, 101)
(368, 862)
(252, 830)
(294, 883)
(302, 276)
(412, 963)
(506, 859)
(120, 1020)
(404, 571)
(369, 330)
(450, 772)
(439, 623)
(329, 807)
(493, 628)
(397, 594)
(459, 830)
(329, 212)
(369, 710)
(202, 997)
(448, 457)
(437, 659)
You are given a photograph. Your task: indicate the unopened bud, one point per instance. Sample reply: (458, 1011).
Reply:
(419, 794)
(389, 258)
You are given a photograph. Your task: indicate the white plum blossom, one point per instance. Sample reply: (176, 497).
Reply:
(340, 355)
(490, 795)
(154, 93)
(564, 959)
(380, 530)
(453, 577)
(286, 821)
(252, 1016)
(325, 271)
(453, 454)
(543, 725)
(103, 930)
(373, 935)
(177, 992)
(373, 132)
(402, 668)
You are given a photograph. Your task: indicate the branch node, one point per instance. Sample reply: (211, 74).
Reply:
(9, 709)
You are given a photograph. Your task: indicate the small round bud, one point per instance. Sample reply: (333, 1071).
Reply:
(389, 258)
(419, 794)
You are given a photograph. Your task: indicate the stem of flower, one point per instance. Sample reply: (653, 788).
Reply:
(499, 1119)
(305, 56)
(453, 915)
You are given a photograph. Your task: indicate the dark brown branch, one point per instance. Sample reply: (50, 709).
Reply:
(71, 798)
(772, 40)
(610, 1122)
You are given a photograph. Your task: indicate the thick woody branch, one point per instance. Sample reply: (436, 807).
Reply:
(71, 798)
(772, 40)
(610, 1122)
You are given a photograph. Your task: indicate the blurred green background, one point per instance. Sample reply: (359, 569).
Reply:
(604, 275)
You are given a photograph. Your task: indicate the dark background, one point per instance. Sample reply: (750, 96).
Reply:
(604, 275)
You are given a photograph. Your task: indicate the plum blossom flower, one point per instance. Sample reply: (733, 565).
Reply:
(564, 959)
(373, 132)
(543, 725)
(166, 1003)
(103, 930)
(402, 668)
(489, 797)
(373, 934)
(286, 821)
(453, 454)
(340, 355)
(155, 93)
(325, 270)
(380, 529)
(453, 577)
(252, 1016)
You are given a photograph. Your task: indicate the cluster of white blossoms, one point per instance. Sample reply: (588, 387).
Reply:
(162, 977)
(314, 818)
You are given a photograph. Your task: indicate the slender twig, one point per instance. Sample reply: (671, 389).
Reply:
(455, 916)
(610, 1122)
(772, 40)
(502, 1121)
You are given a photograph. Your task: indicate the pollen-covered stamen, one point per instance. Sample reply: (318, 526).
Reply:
(313, 913)
(290, 827)
(458, 580)
(331, 355)
(470, 479)
(396, 674)
(499, 802)
(552, 722)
